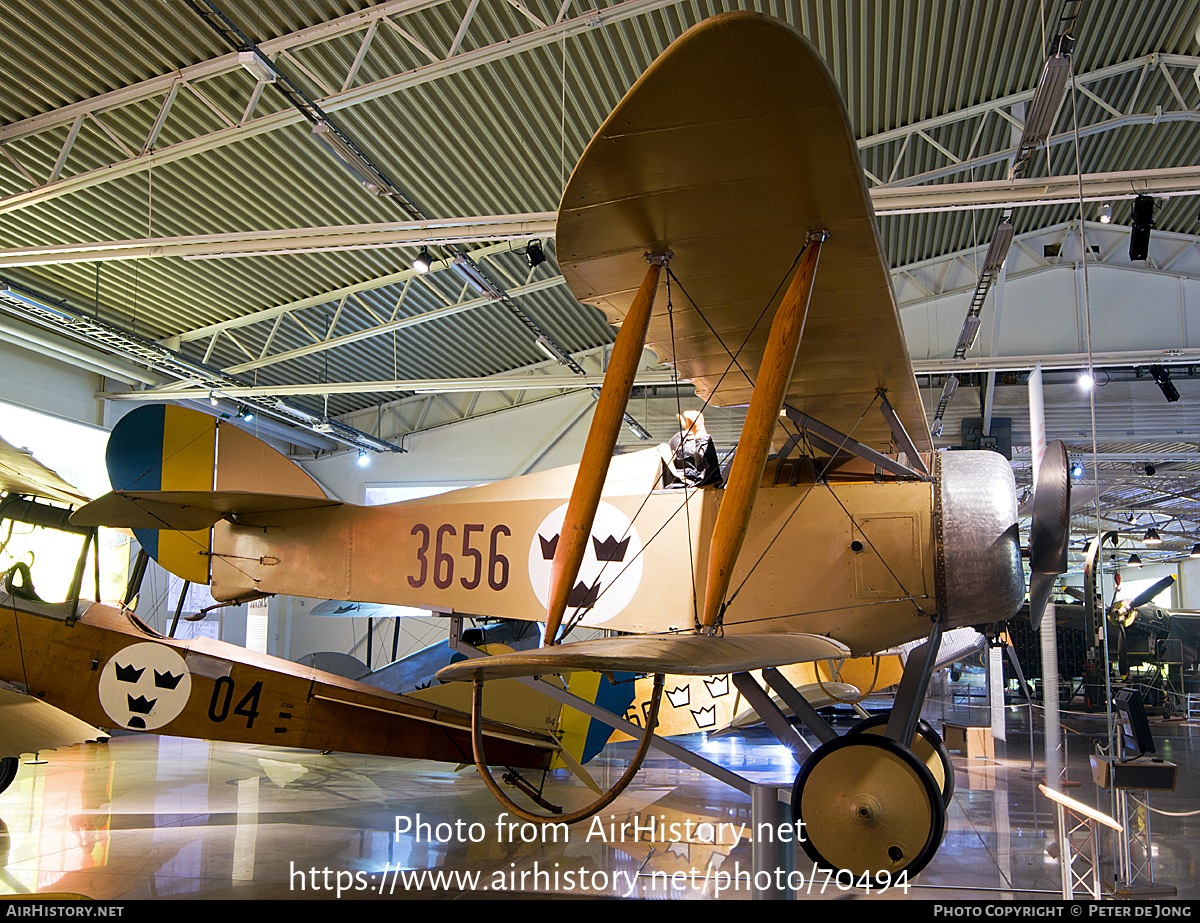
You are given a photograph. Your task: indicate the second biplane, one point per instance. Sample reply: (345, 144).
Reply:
(720, 217)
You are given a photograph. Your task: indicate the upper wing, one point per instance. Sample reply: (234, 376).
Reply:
(731, 147)
(21, 473)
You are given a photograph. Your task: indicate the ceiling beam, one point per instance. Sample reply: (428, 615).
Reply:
(431, 232)
(888, 200)
(452, 64)
(415, 385)
(1123, 359)
(1049, 190)
(227, 63)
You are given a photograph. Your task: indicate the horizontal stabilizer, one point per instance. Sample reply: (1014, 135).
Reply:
(689, 655)
(184, 510)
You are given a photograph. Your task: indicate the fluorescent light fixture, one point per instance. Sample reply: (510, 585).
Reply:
(293, 411)
(552, 352)
(998, 251)
(8, 293)
(1039, 120)
(258, 66)
(469, 271)
(1106, 213)
(970, 331)
(337, 145)
(1152, 537)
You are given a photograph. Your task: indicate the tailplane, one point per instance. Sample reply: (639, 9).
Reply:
(206, 463)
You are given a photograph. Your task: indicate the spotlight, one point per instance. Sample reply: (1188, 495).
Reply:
(1106, 213)
(1162, 378)
(1139, 232)
(1135, 560)
(423, 261)
(534, 254)
(363, 458)
(1085, 381)
(212, 399)
(1152, 537)
(1150, 470)
(247, 414)
(1195, 551)
(1077, 470)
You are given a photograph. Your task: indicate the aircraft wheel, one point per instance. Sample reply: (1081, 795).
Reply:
(8, 771)
(927, 746)
(868, 806)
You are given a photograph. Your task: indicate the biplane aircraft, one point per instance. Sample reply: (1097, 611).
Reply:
(719, 217)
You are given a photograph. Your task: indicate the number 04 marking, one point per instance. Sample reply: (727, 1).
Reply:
(218, 708)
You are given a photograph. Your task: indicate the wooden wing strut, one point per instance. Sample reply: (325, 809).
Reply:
(774, 375)
(597, 452)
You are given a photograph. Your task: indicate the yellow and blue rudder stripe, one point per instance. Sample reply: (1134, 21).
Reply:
(161, 447)
(582, 736)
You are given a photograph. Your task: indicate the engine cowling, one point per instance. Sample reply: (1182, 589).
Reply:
(979, 574)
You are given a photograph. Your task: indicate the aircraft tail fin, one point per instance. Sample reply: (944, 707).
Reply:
(166, 448)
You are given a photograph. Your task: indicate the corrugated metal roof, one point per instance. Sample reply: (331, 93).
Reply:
(498, 138)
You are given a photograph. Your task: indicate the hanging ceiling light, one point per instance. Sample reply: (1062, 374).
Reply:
(1085, 381)
(534, 254)
(1162, 378)
(1152, 537)
(1106, 213)
(1135, 560)
(1195, 551)
(1139, 231)
(423, 262)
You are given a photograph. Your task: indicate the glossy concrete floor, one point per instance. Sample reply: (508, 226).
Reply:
(150, 817)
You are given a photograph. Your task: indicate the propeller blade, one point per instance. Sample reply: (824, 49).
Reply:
(1040, 588)
(1148, 594)
(1050, 530)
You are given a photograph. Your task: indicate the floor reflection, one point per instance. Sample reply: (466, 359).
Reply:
(148, 817)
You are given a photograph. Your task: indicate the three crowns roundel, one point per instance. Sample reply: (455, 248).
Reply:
(144, 686)
(612, 564)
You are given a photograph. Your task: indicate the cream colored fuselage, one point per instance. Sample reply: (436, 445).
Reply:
(853, 560)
